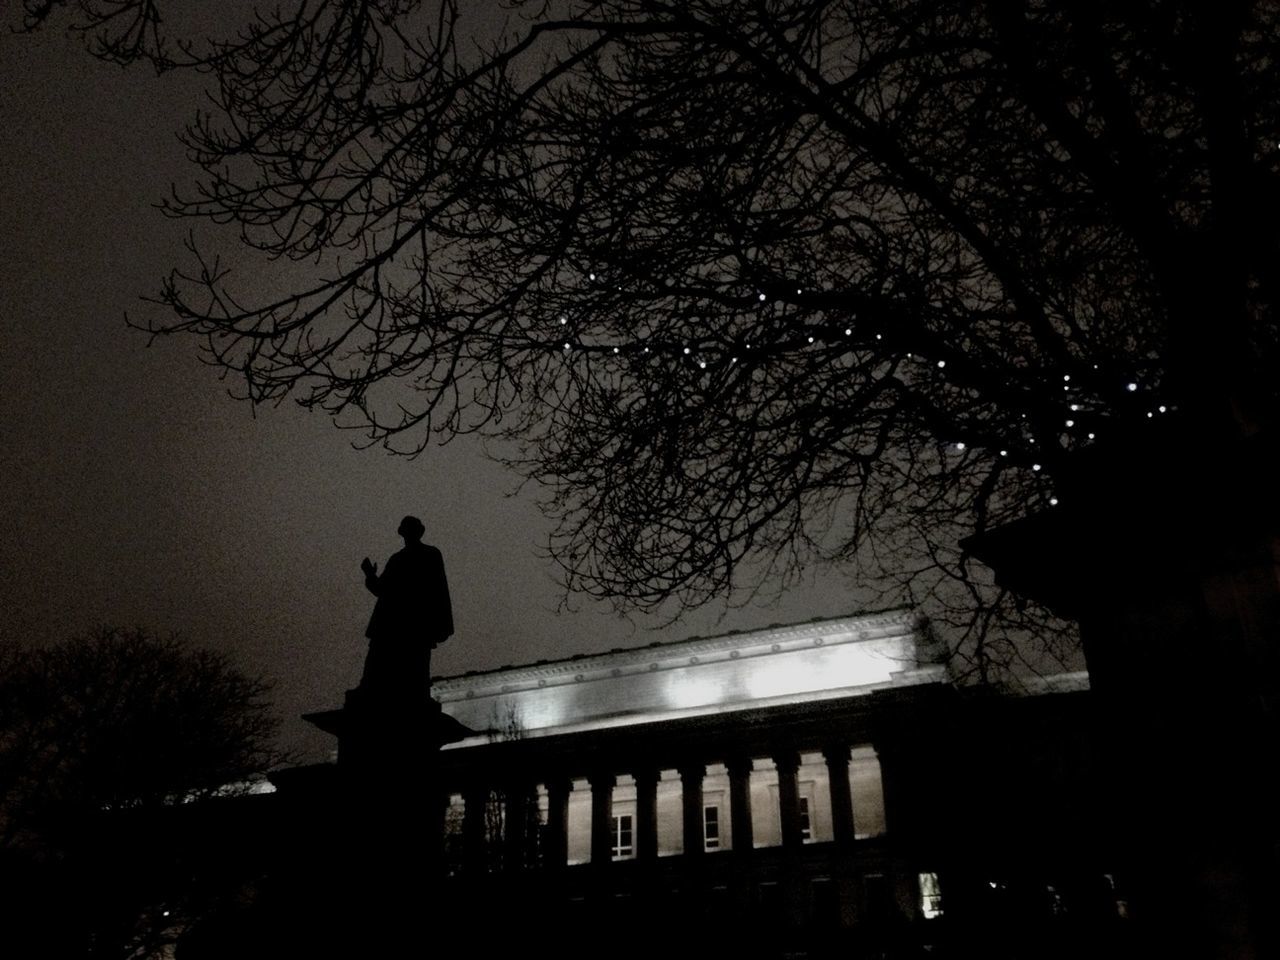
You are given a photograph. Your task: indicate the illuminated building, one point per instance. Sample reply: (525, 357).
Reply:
(823, 777)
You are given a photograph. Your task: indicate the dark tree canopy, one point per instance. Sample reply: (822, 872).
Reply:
(743, 284)
(117, 720)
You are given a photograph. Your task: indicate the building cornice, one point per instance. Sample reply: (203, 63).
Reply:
(659, 656)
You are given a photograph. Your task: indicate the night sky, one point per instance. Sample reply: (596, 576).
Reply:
(135, 492)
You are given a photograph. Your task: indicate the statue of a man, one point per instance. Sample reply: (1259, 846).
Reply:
(412, 615)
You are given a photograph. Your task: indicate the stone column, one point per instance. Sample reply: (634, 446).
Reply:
(740, 804)
(602, 818)
(788, 763)
(837, 757)
(691, 775)
(646, 836)
(556, 854)
(475, 799)
(515, 824)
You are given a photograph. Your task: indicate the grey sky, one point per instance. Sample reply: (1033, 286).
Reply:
(133, 491)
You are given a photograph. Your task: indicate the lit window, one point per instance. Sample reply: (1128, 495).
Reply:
(623, 837)
(711, 828)
(930, 896)
(806, 833)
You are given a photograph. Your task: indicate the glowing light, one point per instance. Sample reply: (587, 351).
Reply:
(848, 331)
(1075, 408)
(1150, 414)
(1071, 423)
(1163, 409)
(686, 351)
(615, 349)
(563, 319)
(1091, 436)
(1066, 377)
(702, 364)
(960, 446)
(941, 364)
(1035, 467)
(566, 346)
(1131, 386)
(811, 339)
(591, 276)
(1053, 501)
(762, 298)
(879, 337)
(1004, 453)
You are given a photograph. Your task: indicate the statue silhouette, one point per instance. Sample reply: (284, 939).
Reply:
(412, 616)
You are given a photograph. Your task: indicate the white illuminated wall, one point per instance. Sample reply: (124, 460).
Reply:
(821, 659)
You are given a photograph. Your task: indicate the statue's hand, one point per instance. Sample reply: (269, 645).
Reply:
(369, 568)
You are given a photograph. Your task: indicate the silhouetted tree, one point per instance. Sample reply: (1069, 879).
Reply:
(99, 737)
(744, 285)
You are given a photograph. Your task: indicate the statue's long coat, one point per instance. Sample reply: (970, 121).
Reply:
(412, 615)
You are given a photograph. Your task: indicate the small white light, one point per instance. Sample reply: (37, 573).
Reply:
(646, 349)
(941, 364)
(1071, 423)
(615, 349)
(686, 351)
(799, 291)
(566, 346)
(1053, 501)
(1163, 409)
(1075, 407)
(563, 319)
(811, 339)
(1131, 387)
(878, 337)
(762, 298)
(1066, 377)
(164, 913)
(1091, 436)
(1150, 414)
(1004, 453)
(591, 276)
(848, 332)
(733, 359)
(1066, 386)
(960, 446)
(702, 364)
(1035, 466)
(909, 356)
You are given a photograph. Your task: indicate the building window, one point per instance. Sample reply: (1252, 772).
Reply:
(930, 896)
(623, 837)
(806, 833)
(711, 828)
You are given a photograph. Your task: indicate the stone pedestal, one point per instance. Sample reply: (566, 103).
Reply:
(380, 846)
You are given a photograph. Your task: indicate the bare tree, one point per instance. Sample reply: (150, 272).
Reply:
(743, 285)
(98, 737)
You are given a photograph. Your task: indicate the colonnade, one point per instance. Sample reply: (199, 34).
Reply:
(554, 840)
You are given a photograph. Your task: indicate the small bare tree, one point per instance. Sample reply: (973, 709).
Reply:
(102, 734)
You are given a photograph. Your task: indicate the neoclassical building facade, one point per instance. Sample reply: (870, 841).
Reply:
(821, 776)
